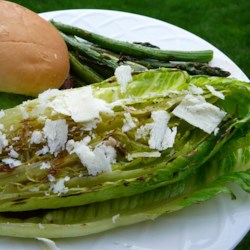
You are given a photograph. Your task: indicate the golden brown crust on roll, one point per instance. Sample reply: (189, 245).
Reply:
(33, 55)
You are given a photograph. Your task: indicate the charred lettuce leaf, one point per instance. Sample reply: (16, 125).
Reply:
(144, 181)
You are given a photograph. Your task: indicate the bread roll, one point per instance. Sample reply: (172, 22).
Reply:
(33, 55)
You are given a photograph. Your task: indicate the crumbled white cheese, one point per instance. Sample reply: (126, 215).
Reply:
(47, 95)
(97, 160)
(80, 105)
(11, 128)
(45, 165)
(161, 136)
(17, 138)
(24, 112)
(44, 98)
(2, 113)
(41, 226)
(143, 131)
(128, 122)
(56, 133)
(153, 154)
(3, 142)
(71, 144)
(9, 148)
(43, 151)
(216, 130)
(59, 186)
(50, 244)
(51, 178)
(123, 76)
(37, 137)
(199, 113)
(1, 126)
(13, 153)
(11, 162)
(192, 89)
(88, 126)
(115, 218)
(215, 92)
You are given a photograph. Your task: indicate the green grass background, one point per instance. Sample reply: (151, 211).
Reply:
(223, 23)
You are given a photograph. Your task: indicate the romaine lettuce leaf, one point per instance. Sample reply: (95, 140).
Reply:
(230, 165)
(196, 168)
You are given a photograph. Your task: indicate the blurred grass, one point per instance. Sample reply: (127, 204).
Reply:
(223, 23)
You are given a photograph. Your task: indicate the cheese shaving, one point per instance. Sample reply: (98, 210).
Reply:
(56, 133)
(97, 160)
(123, 75)
(199, 113)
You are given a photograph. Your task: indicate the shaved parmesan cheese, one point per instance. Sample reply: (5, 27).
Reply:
(3, 142)
(79, 104)
(17, 138)
(43, 151)
(11, 162)
(59, 187)
(97, 160)
(13, 153)
(123, 76)
(41, 226)
(37, 137)
(56, 133)
(128, 122)
(47, 95)
(51, 178)
(143, 132)
(88, 126)
(216, 131)
(161, 136)
(45, 165)
(115, 218)
(199, 113)
(192, 89)
(44, 98)
(2, 113)
(24, 112)
(215, 92)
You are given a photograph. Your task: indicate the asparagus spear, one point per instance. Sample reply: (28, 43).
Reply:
(84, 71)
(139, 64)
(110, 59)
(193, 68)
(135, 49)
(85, 50)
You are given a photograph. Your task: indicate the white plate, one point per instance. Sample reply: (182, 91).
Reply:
(217, 224)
